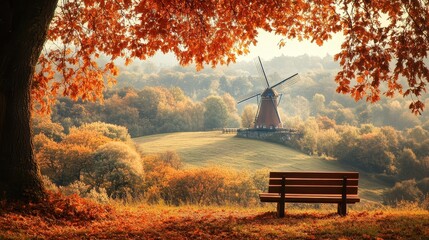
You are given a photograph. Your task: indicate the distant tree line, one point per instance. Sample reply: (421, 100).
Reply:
(150, 110)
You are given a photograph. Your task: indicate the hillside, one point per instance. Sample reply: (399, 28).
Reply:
(199, 149)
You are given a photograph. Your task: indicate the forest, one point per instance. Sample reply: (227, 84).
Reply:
(74, 143)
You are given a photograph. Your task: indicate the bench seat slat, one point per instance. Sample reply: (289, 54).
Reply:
(313, 181)
(338, 175)
(313, 189)
(321, 198)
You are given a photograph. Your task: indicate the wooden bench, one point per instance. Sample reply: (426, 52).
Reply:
(312, 187)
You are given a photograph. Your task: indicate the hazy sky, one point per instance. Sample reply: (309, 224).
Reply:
(267, 48)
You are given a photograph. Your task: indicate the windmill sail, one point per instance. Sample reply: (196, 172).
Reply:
(263, 71)
(287, 84)
(255, 95)
(283, 81)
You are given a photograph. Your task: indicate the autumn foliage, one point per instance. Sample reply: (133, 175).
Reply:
(385, 41)
(99, 161)
(191, 222)
(58, 207)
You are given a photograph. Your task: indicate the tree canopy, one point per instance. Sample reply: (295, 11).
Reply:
(385, 41)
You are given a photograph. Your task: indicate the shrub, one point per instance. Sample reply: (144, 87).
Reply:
(407, 163)
(369, 151)
(48, 184)
(85, 137)
(403, 191)
(423, 185)
(86, 191)
(207, 186)
(117, 168)
(425, 203)
(111, 131)
(216, 113)
(260, 179)
(327, 141)
(40, 141)
(44, 125)
(63, 163)
(157, 169)
(171, 159)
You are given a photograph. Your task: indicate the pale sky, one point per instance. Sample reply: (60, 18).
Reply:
(267, 48)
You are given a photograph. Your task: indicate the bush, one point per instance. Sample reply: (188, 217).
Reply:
(208, 186)
(166, 182)
(48, 184)
(260, 180)
(63, 163)
(157, 169)
(44, 125)
(425, 203)
(86, 191)
(423, 185)
(117, 168)
(171, 159)
(85, 138)
(403, 191)
(40, 141)
(111, 131)
(370, 152)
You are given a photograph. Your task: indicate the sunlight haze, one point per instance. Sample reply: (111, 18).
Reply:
(267, 48)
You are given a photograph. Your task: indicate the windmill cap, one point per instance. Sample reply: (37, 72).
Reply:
(269, 92)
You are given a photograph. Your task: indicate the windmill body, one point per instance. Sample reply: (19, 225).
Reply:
(267, 116)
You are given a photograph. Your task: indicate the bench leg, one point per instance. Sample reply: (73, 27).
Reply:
(342, 209)
(281, 209)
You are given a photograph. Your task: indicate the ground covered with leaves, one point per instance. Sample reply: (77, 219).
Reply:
(74, 218)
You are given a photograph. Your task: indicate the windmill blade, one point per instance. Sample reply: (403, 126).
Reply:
(275, 108)
(258, 69)
(283, 81)
(288, 84)
(248, 98)
(257, 115)
(280, 98)
(263, 72)
(291, 82)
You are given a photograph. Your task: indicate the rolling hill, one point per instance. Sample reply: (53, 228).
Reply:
(199, 149)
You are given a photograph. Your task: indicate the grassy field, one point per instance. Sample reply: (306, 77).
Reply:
(199, 149)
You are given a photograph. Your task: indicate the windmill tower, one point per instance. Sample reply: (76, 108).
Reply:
(267, 116)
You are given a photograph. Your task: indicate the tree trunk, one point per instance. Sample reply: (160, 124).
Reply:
(23, 29)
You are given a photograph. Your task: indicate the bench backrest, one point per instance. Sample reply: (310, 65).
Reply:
(314, 182)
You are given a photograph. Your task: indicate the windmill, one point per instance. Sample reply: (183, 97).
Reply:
(267, 115)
